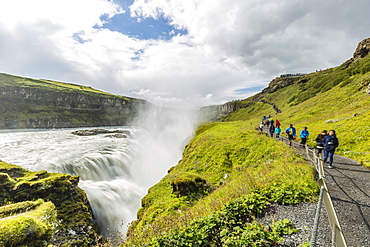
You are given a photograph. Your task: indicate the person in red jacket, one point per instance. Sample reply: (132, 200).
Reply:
(277, 123)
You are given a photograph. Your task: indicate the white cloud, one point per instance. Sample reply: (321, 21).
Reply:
(230, 44)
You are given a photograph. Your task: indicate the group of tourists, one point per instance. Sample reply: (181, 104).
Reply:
(326, 141)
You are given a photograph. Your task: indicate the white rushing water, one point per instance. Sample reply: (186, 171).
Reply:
(114, 172)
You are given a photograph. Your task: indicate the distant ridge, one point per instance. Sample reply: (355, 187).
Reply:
(31, 103)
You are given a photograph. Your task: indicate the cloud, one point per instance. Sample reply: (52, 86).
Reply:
(227, 46)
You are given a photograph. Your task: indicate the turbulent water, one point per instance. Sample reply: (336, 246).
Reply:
(114, 172)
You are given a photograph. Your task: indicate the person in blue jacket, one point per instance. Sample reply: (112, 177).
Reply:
(303, 135)
(330, 144)
(277, 132)
(292, 133)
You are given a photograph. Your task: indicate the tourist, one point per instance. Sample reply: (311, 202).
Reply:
(330, 144)
(272, 130)
(303, 135)
(320, 141)
(277, 123)
(291, 132)
(277, 132)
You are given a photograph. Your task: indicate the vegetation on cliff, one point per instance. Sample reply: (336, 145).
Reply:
(74, 225)
(30, 103)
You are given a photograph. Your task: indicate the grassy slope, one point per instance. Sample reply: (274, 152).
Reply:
(10, 81)
(343, 105)
(252, 162)
(330, 99)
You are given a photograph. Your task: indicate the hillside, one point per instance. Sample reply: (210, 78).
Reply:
(336, 98)
(228, 169)
(30, 103)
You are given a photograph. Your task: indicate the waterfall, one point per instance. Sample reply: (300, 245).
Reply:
(115, 173)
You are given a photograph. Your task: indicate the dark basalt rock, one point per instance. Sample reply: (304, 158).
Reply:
(90, 132)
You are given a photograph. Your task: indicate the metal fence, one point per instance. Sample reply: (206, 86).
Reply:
(324, 196)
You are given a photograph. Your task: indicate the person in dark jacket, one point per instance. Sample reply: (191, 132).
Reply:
(320, 141)
(330, 144)
(272, 130)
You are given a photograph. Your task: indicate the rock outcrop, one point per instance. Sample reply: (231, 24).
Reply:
(362, 50)
(91, 132)
(29, 223)
(279, 83)
(75, 224)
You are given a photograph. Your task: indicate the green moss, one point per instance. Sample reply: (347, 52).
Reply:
(189, 184)
(32, 228)
(61, 189)
(20, 207)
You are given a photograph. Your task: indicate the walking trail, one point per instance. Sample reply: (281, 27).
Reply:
(349, 187)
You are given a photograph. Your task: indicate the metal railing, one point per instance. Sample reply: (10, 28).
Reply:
(337, 239)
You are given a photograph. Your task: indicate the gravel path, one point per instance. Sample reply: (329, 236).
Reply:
(349, 186)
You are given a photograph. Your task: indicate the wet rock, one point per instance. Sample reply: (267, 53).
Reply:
(90, 132)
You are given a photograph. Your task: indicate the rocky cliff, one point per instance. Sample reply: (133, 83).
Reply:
(28, 103)
(74, 225)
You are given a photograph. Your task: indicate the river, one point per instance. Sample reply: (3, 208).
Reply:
(114, 172)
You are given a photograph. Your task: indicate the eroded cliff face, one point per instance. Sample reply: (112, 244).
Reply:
(27, 107)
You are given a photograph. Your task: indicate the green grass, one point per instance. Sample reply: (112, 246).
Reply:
(10, 81)
(236, 161)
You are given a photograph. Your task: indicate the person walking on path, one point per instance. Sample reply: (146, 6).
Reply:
(303, 135)
(272, 130)
(261, 126)
(330, 144)
(320, 141)
(277, 123)
(277, 132)
(292, 133)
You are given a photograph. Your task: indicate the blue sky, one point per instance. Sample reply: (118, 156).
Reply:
(141, 28)
(180, 53)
